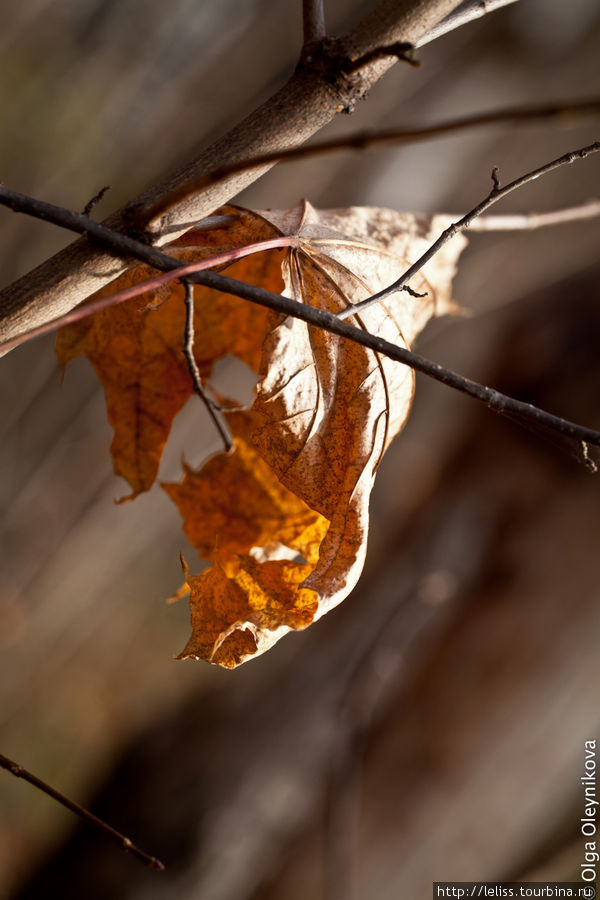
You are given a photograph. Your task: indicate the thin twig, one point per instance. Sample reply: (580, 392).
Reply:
(313, 21)
(320, 318)
(19, 772)
(95, 200)
(532, 220)
(497, 193)
(564, 112)
(188, 349)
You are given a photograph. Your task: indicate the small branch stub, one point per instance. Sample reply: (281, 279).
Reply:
(95, 200)
(402, 50)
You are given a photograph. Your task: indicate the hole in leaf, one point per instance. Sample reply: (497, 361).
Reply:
(276, 550)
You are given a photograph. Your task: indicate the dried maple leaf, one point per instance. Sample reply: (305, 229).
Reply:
(238, 514)
(325, 411)
(136, 347)
(284, 518)
(330, 407)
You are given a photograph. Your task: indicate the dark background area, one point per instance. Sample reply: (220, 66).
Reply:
(432, 727)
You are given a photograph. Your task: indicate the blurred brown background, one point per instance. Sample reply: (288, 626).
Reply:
(432, 727)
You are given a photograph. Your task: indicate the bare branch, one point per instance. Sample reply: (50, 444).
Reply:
(495, 194)
(514, 222)
(533, 220)
(299, 109)
(313, 21)
(565, 113)
(127, 845)
(465, 13)
(310, 314)
(188, 351)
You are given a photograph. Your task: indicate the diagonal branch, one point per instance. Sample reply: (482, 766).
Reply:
(19, 772)
(516, 115)
(312, 97)
(497, 193)
(564, 113)
(88, 309)
(310, 314)
(515, 222)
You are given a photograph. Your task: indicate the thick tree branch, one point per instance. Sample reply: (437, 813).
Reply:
(94, 306)
(310, 314)
(124, 842)
(311, 98)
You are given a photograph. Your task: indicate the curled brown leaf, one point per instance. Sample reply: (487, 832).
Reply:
(325, 411)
